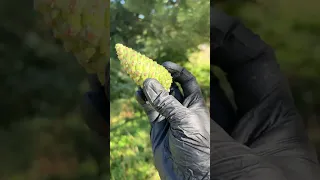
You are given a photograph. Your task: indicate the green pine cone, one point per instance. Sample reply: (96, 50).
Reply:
(140, 67)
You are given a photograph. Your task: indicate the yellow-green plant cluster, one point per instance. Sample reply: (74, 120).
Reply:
(139, 67)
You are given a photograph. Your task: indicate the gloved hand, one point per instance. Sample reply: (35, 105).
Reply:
(180, 126)
(264, 137)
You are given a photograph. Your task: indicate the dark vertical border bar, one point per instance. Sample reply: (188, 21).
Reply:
(221, 109)
(96, 108)
(267, 134)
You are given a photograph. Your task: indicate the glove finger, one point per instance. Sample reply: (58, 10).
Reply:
(142, 100)
(221, 109)
(164, 103)
(159, 126)
(175, 91)
(140, 97)
(184, 77)
(152, 114)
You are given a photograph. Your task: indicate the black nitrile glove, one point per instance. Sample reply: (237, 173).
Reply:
(264, 138)
(180, 126)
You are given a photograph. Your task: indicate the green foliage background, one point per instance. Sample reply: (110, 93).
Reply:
(41, 132)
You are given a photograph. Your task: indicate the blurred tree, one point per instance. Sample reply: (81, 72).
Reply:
(162, 30)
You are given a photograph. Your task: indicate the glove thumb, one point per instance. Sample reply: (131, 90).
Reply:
(164, 103)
